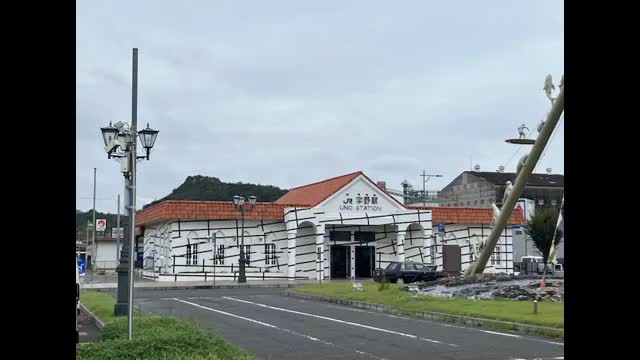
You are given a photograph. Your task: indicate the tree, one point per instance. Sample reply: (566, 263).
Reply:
(542, 228)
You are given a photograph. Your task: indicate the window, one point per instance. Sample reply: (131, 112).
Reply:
(247, 252)
(475, 202)
(408, 267)
(270, 254)
(420, 267)
(194, 254)
(340, 236)
(219, 260)
(468, 203)
(495, 257)
(393, 266)
(482, 202)
(188, 255)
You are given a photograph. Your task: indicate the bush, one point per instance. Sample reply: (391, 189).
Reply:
(159, 337)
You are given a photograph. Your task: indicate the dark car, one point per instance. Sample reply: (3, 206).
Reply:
(409, 272)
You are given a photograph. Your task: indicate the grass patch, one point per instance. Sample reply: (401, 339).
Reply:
(549, 313)
(100, 303)
(154, 337)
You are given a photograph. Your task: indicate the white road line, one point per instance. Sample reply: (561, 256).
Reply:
(340, 321)
(444, 324)
(277, 328)
(499, 333)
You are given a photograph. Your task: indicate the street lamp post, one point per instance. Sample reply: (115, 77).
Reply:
(238, 202)
(120, 142)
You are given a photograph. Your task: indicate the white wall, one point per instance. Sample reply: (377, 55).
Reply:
(465, 235)
(171, 239)
(106, 257)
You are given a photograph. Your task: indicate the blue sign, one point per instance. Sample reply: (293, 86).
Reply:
(81, 265)
(441, 228)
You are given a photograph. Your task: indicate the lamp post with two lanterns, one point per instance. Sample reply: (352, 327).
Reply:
(238, 202)
(120, 142)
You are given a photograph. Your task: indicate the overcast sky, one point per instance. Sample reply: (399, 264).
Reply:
(292, 92)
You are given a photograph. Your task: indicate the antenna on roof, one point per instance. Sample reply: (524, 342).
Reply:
(549, 170)
(476, 168)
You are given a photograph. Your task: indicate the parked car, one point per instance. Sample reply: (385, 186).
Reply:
(408, 271)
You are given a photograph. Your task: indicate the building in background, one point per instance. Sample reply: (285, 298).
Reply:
(343, 227)
(476, 188)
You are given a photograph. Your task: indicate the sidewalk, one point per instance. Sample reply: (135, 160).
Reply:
(87, 328)
(184, 285)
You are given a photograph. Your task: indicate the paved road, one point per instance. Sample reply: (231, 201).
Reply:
(273, 326)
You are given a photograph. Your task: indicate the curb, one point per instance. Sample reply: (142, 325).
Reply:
(196, 287)
(95, 319)
(436, 316)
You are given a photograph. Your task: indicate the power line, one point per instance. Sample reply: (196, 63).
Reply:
(553, 135)
(512, 156)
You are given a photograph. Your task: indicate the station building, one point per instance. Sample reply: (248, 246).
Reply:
(339, 228)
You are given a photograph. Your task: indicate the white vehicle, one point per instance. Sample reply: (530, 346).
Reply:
(533, 259)
(77, 301)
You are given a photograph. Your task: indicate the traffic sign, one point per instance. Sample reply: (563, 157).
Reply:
(101, 224)
(441, 228)
(117, 233)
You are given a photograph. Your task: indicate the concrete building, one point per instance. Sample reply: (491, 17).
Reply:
(343, 227)
(475, 188)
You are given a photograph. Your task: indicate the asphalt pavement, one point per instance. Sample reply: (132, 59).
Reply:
(273, 326)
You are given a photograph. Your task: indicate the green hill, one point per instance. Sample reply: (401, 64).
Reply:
(211, 188)
(194, 188)
(84, 218)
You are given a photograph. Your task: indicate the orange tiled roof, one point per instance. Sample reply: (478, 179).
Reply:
(194, 209)
(313, 194)
(466, 215)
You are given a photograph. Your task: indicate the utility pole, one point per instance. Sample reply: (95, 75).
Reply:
(133, 158)
(118, 227)
(94, 251)
(121, 143)
(425, 178)
(124, 302)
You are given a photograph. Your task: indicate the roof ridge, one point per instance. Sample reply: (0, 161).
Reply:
(326, 180)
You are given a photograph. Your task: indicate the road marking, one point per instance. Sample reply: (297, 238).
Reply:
(499, 333)
(340, 321)
(439, 323)
(278, 328)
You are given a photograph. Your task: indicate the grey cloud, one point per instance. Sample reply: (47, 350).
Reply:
(292, 92)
